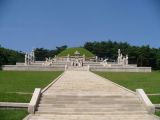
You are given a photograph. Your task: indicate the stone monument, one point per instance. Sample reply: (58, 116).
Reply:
(122, 60)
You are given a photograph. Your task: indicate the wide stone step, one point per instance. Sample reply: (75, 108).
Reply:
(89, 105)
(91, 113)
(89, 97)
(92, 117)
(91, 102)
(110, 109)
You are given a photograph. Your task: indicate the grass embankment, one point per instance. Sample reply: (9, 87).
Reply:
(71, 52)
(18, 86)
(12, 114)
(150, 82)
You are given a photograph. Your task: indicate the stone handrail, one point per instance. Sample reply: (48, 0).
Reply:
(144, 98)
(34, 100)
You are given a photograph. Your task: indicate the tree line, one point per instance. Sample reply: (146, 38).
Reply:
(10, 57)
(140, 55)
(42, 53)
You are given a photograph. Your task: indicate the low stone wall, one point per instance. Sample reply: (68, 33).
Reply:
(32, 68)
(121, 69)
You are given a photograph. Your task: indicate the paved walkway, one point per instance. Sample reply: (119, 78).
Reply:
(82, 95)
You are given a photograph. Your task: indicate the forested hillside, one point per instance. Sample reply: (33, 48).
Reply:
(141, 55)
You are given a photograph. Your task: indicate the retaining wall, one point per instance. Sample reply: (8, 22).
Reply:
(32, 68)
(122, 69)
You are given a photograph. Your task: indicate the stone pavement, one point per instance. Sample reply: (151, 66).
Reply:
(82, 95)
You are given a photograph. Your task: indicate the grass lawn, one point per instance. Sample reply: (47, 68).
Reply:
(157, 113)
(150, 82)
(24, 82)
(18, 114)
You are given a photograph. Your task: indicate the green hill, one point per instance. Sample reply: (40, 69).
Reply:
(71, 52)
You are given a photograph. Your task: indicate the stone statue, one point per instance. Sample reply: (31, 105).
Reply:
(119, 52)
(33, 55)
(120, 57)
(126, 59)
(26, 59)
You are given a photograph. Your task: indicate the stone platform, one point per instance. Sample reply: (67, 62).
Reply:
(82, 95)
(60, 66)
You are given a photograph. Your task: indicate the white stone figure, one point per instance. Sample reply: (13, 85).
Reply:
(72, 63)
(119, 52)
(46, 59)
(26, 59)
(126, 59)
(119, 59)
(33, 56)
(123, 60)
(55, 58)
(104, 62)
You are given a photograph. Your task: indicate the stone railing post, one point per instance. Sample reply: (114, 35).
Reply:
(34, 100)
(146, 101)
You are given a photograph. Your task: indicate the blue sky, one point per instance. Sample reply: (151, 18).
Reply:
(27, 24)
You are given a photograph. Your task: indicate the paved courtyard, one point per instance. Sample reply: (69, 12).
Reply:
(82, 95)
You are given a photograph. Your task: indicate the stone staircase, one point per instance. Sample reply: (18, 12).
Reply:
(81, 95)
(110, 107)
(76, 68)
